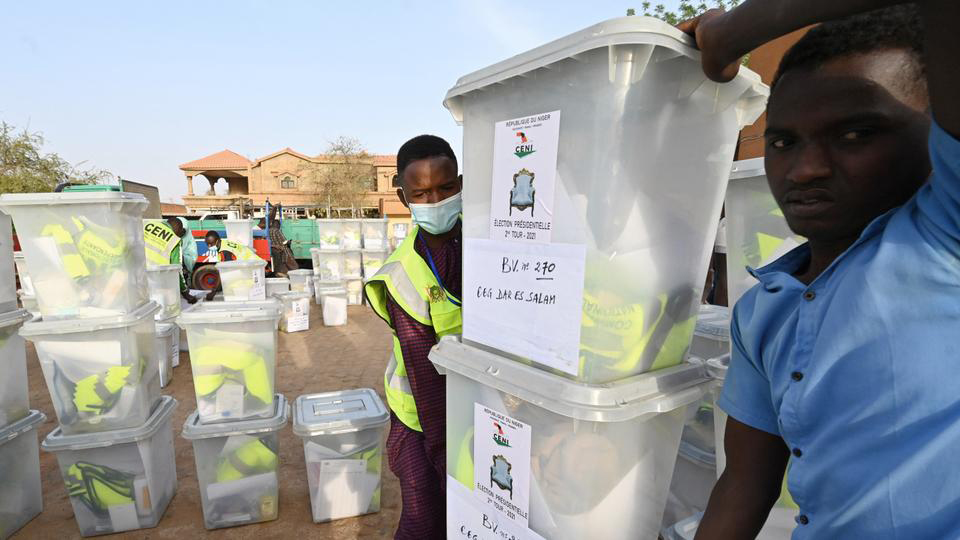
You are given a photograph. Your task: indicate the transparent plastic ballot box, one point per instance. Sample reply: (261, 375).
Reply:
(167, 333)
(375, 234)
(757, 233)
(779, 526)
(330, 234)
(344, 434)
(233, 354)
(352, 235)
(277, 285)
(20, 496)
(685, 529)
(243, 280)
(782, 518)
(84, 250)
(20, 262)
(352, 264)
(8, 282)
(694, 476)
(238, 466)
(373, 260)
(301, 280)
(327, 265)
(14, 389)
(201, 296)
(164, 286)
(102, 373)
(332, 298)
(600, 456)
(354, 292)
(294, 311)
(240, 230)
(634, 106)
(121, 480)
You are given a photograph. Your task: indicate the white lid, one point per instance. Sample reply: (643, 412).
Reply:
(278, 280)
(56, 441)
(713, 322)
(76, 197)
(747, 168)
(231, 312)
(162, 267)
(16, 317)
(300, 272)
(641, 395)
(245, 220)
(94, 324)
(248, 263)
(338, 412)
(620, 31)
(24, 425)
(331, 290)
(193, 429)
(293, 295)
(381, 252)
(376, 221)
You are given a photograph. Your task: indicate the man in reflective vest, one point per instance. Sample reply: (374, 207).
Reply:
(225, 249)
(417, 292)
(162, 245)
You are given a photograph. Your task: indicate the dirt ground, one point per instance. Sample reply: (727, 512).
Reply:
(318, 360)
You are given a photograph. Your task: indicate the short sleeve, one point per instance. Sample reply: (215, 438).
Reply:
(939, 199)
(746, 393)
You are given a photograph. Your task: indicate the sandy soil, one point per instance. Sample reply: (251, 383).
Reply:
(318, 360)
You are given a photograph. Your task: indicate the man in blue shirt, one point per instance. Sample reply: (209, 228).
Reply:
(843, 355)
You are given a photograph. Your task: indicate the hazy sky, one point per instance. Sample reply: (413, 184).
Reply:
(138, 88)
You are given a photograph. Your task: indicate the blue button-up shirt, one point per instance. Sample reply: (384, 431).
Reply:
(858, 372)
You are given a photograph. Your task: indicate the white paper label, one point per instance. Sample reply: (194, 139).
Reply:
(344, 488)
(124, 517)
(501, 460)
(230, 400)
(526, 299)
(468, 519)
(259, 289)
(298, 317)
(524, 175)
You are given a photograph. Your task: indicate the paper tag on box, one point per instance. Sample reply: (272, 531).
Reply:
(299, 318)
(259, 289)
(124, 517)
(230, 400)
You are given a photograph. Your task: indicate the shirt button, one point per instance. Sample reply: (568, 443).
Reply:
(803, 519)
(797, 452)
(809, 295)
(797, 376)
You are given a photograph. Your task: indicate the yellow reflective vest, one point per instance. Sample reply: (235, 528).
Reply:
(239, 251)
(159, 242)
(406, 277)
(250, 459)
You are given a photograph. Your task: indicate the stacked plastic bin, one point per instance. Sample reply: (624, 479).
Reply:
(330, 270)
(582, 274)
(163, 282)
(343, 437)
(238, 466)
(20, 495)
(96, 342)
(233, 353)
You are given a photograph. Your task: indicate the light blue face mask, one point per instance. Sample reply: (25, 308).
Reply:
(438, 218)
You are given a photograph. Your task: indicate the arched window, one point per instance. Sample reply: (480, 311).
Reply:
(395, 182)
(288, 183)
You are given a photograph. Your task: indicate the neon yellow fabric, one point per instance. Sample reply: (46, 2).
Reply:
(159, 242)
(463, 468)
(768, 245)
(99, 246)
(98, 393)
(240, 251)
(249, 459)
(99, 487)
(69, 256)
(406, 277)
(216, 363)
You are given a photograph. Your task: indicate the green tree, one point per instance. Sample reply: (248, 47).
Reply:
(343, 176)
(24, 168)
(686, 10)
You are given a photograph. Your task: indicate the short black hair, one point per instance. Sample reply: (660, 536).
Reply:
(423, 147)
(212, 234)
(894, 28)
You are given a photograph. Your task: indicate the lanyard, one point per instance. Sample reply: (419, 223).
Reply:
(453, 299)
